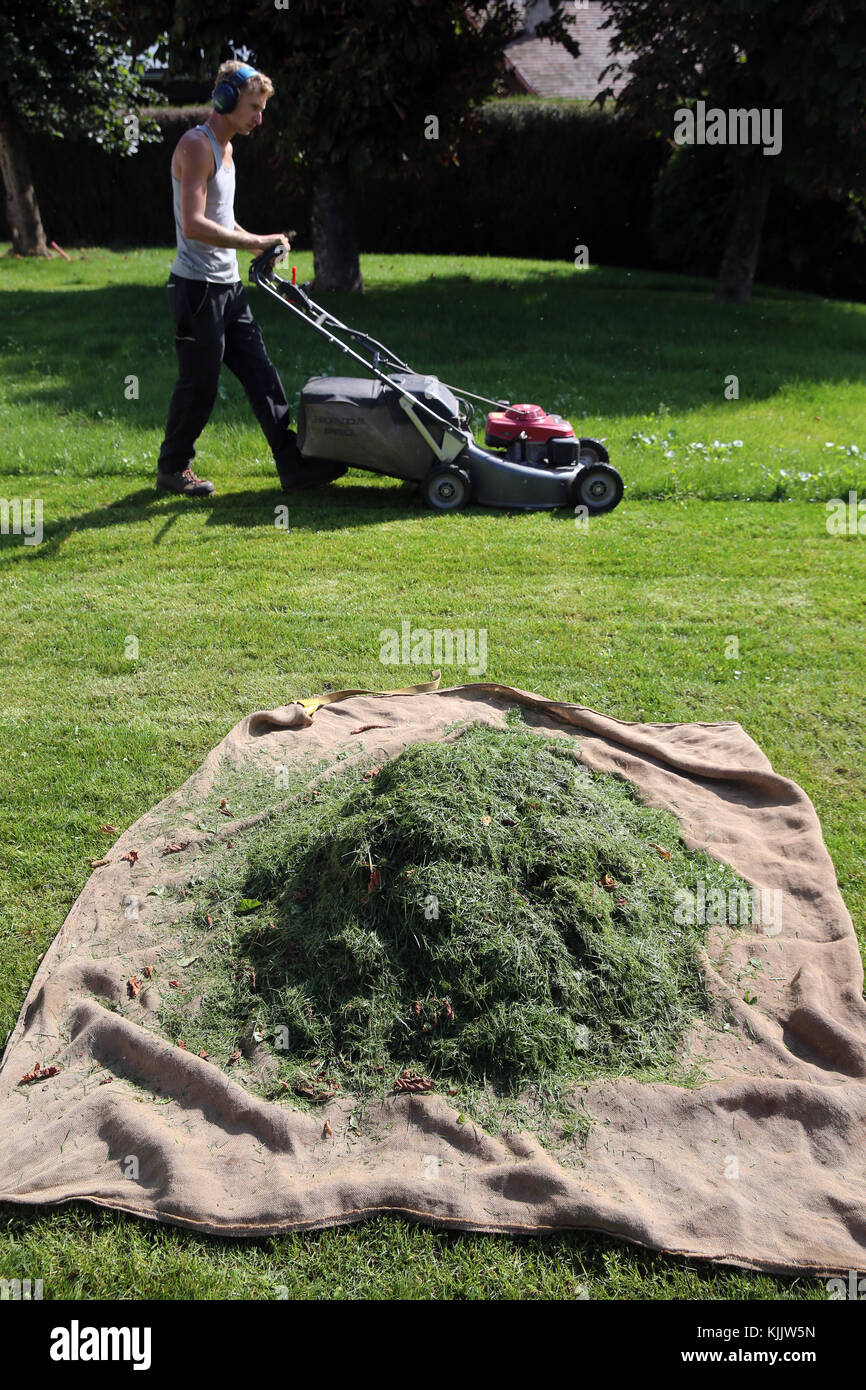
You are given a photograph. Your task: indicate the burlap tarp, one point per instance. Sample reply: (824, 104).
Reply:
(761, 1166)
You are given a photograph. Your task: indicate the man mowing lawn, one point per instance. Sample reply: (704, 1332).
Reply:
(213, 321)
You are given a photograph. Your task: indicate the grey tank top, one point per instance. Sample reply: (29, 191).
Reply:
(195, 260)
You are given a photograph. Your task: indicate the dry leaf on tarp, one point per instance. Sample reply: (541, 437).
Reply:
(407, 1081)
(39, 1073)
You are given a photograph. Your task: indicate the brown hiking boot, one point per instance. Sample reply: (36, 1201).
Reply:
(186, 483)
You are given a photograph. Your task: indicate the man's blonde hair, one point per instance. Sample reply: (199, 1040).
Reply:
(259, 83)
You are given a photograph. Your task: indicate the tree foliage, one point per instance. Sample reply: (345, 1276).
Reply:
(803, 59)
(65, 73)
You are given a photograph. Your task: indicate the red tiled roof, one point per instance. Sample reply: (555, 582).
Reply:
(546, 69)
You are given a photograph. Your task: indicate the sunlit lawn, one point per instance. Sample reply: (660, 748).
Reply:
(688, 602)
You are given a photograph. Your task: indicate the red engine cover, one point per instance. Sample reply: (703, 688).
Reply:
(539, 426)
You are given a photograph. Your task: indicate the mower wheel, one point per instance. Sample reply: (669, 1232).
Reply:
(598, 488)
(447, 489)
(591, 451)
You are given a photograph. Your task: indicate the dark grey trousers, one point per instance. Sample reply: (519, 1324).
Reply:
(214, 324)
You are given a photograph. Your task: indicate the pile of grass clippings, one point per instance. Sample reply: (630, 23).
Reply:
(483, 911)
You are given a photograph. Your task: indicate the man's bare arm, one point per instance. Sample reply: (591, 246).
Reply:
(195, 160)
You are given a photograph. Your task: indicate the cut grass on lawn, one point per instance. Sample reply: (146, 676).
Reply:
(484, 909)
(142, 628)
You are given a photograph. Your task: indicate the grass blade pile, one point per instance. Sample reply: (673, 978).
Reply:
(483, 911)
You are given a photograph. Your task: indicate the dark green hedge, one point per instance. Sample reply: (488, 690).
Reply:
(536, 179)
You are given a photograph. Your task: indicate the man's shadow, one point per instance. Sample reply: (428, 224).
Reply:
(323, 508)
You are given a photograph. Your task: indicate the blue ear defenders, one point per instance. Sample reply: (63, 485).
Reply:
(225, 98)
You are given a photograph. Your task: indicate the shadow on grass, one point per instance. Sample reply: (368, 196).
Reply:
(624, 337)
(328, 508)
(315, 509)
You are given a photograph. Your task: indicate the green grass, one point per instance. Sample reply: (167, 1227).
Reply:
(629, 356)
(671, 608)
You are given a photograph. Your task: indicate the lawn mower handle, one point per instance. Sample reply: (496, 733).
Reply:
(260, 266)
(262, 274)
(296, 298)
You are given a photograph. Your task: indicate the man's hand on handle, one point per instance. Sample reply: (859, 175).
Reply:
(263, 243)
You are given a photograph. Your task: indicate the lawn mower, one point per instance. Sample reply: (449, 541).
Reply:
(407, 425)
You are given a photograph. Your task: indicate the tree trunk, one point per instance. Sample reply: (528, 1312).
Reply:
(740, 258)
(336, 264)
(22, 209)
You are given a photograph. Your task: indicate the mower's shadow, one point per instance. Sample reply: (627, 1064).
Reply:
(350, 503)
(330, 508)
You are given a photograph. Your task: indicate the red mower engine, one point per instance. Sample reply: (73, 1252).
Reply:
(530, 435)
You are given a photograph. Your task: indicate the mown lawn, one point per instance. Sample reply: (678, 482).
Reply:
(705, 596)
